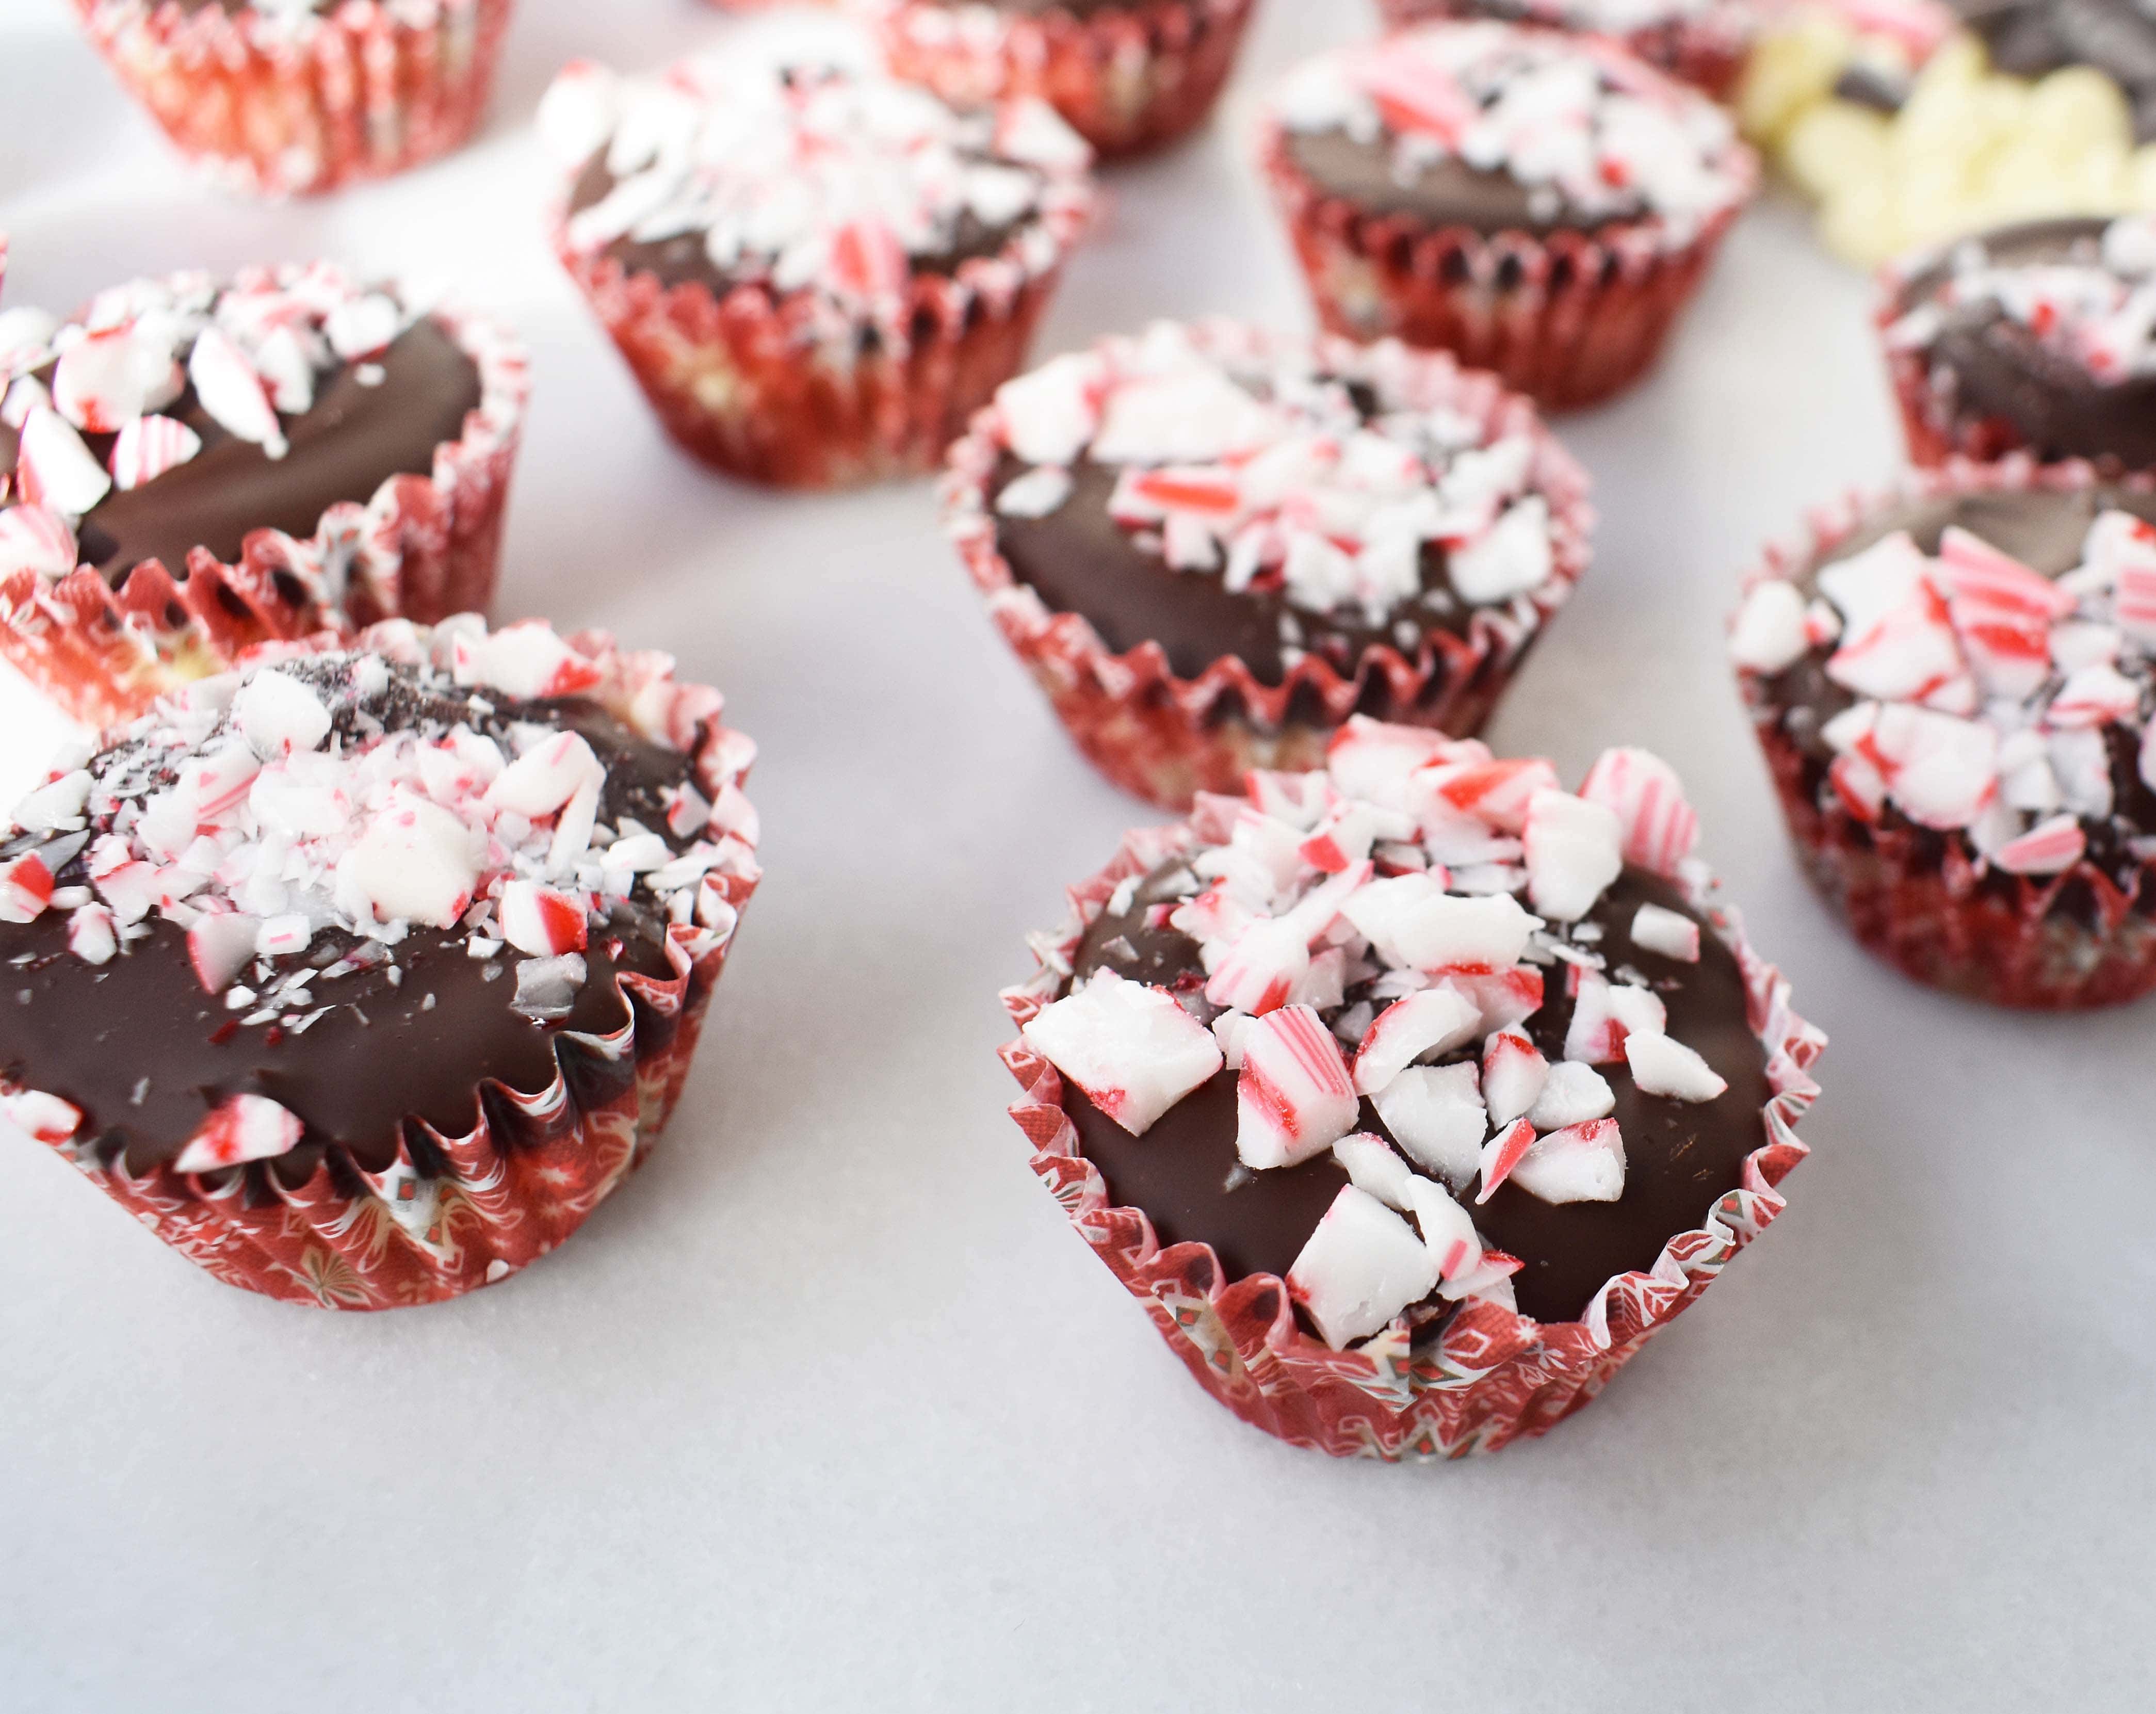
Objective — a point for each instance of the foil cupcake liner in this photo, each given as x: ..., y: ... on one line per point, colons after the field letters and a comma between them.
x: 475, y: 1209
x: 1166, y: 738
x: 423, y: 548
x: 1572, y: 319
x: 297, y: 106
x: 1127, y: 78
x: 1707, y: 49
x: 1493, y: 1376
x: 1922, y: 902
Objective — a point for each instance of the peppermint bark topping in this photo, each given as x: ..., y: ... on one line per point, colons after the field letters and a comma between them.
x: 1592, y: 132
x: 1320, y: 470
x: 1398, y: 972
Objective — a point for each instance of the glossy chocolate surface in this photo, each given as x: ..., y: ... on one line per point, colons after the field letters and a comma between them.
x: 1681, y: 1157
x: 1445, y: 193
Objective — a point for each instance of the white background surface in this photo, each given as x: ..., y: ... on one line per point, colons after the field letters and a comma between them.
x: 828, y: 1408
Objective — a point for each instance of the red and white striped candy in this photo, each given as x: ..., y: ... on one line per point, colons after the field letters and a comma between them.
x: 212, y: 787
x: 1433, y: 1021
x: 546, y: 776
x: 1448, y: 1230
x: 246, y: 1127
x: 1663, y: 1065
x: 1417, y: 98
x: 279, y: 715
x: 1580, y: 1163
x: 1207, y: 491
x: 53, y: 469
x: 1293, y: 1096
x: 2045, y: 849
x: 1132, y: 1050
x: 415, y: 864
x: 1502, y: 1156
x: 1028, y: 130
x: 1942, y: 770
x: 228, y: 387
x: 1769, y: 633
x: 45, y: 1117
x: 1977, y: 571
x: 1594, y: 1037
x: 1656, y: 825
x: 1670, y: 933
x: 1370, y: 760
x: 1496, y: 792
x: 148, y: 447
x: 1263, y: 966
x: 26, y: 888
x: 36, y: 538
x: 1910, y: 653
x: 106, y: 379
x: 539, y: 921
x: 1373, y: 1168
x: 285, y: 367
x: 1412, y: 920
x: 1360, y: 1268
x: 528, y: 659
x: 1435, y: 1114
x: 1513, y: 1073
x: 1315, y: 913
x: 1574, y: 849
x: 220, y: 947
x: 1049, y: 414
x: 2093, y: 696
x: 1861, y: 787
x: 868, y: 264
x: 1571, y: 1095
x: 1503, y: 996
x: 93, y: 934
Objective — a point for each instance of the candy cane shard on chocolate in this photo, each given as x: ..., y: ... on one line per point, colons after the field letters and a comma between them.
x: 1425, y: 1126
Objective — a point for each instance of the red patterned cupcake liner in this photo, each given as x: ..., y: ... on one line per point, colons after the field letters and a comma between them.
x: 1165, y: 738
x: 1493, y: 1376
x: 534, y: 1166
x: 1127, y: 78
x: 1706, y: 49
x: 423, y: 548
x: 1572, y: 319
x: 1920, y: 901
x: 292, y: 108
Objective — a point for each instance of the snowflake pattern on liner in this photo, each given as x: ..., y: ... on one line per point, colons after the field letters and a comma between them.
x: 1987, y: 695
x: 1395, y: 875
x: 1256, y: 462
x: 1589, y: 129
x: 2097, y: 311
x: 809, y: 178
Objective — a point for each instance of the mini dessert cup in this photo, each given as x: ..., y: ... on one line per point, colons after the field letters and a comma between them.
x: 2032, y: 338
x: 1702, y: 42
x: 1178, y: 637
x: 1564, y: 283
x: 849, y: 341
x: 1195, y: 1158
x: 1951, y: 683
x: 439, y: 995
x: 1128, y: 75
x: 297, y: 99
x: 191, y: 467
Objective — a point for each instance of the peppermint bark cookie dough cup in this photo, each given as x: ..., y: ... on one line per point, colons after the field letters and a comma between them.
x: 191, y: 466
x: 1128, y: 75
x: 1413, y: 1095
x: 1952, y: 686
x: 1541, y: 206
x: 361, y: 972
x: 1702, y: 43
x: 2038, y: 338
x: 1211, y: 545
x: 296, y: 97
x: 816, y: 275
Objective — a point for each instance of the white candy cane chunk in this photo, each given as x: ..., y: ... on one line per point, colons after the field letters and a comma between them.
x: 539, y: 921
x: 1502, y: 1156
x: 1594, y: 1037
x: 45, y: 1117
x: 1513, y: 1073
x: 1293, y: 1098
x: 1413, y: 922
x: 1495, y: 793
x: 1038, y: 494
x: 53, y: 469
x: 1263, y: 966
x: 1448, y: 1230
x: 1657, y: 824
x: 1769, y: 634
x: 1435, y: 1113
x: 279, y: 715
x: 2046, y: 849
x: 37, y: 539
x: 246, y: 1127
x: 108, y: 378
x: 359, y: 327
x: 149, y: 446
x: 56, y: 806
x: 1580, y: 1163
x: 2095, y: 695
x: 1507, y: 560
x: 1373, y: 1167
x: 284, y: 937
x: 1574, y: 849
x: 1571, y: 1095
x: 1504, y: 996
x: 546, y: 776
x: 1670, y: 933
x: 220, y: 947
x: 1942, y: 770
x: 93, y: 934
x: 1433, y: 1021
x: 1370, y: 760
x: 1360, y: 1267
x: 1663, y: 1065
x: 526, y: 660
x: 228, y: 387
x: 579, y: 112
x: 26, y: 888
x: 1132, y: 1050
x: 1048, y: 415
x: 415, y: 863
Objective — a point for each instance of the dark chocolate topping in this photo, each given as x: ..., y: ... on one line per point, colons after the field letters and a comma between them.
x: 1445, y: 193
x: 2029, y: 38
x: 1986, y: 364
x: 1681, y: 1157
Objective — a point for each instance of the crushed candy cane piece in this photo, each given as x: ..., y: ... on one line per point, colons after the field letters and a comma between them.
x: 1661, y: 1065
x: 245, y: 1127
x: 1670, y: 933
x: 1293, y: 1096
x: 1580, y: 1164
x: 1132, y: 1050
x: 1359, y: 1269
x: 1435, y: 1114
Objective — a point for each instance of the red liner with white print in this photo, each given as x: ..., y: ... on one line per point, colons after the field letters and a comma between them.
x: 1704, y: 46
x: 1572, y: 318
x: 1128, y: 78
x: 1164, y: 737
x: 1928, y: 901
x: 1492, y: 1375
x: 866, y: 372
x: 422, y: 547
x: 535, y: 1165
x: 281, y: 102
